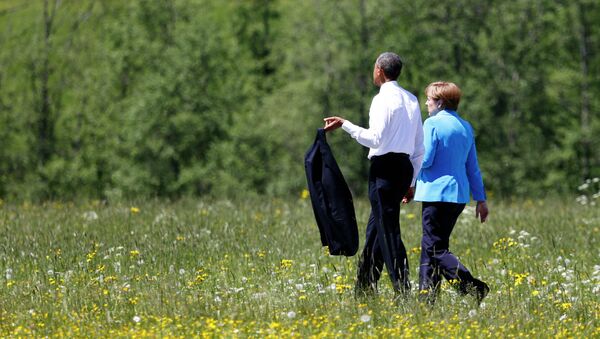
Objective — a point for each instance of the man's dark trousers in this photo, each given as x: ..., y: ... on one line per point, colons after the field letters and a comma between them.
x: 439, y: 219
x: 390, y: 176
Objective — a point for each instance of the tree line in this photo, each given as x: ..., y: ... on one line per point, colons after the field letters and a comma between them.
x: 123, y: 99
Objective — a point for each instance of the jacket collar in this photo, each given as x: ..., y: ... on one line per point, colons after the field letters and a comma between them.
x: 447, y: 112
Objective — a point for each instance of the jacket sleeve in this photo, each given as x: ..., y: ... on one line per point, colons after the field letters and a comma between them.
x: 430, y: 142
x: 474, y: 174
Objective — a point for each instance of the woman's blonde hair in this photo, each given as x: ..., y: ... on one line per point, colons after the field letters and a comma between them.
x: 447, y: 92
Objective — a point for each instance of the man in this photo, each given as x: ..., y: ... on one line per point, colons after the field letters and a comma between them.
x: 395, y: 141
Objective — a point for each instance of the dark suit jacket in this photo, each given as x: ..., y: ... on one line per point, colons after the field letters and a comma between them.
x: 331, y: 199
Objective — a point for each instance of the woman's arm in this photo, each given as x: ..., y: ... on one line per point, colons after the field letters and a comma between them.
x: 430, y: 142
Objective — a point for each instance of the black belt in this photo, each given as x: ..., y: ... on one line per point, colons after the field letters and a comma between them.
x: 391, y: 155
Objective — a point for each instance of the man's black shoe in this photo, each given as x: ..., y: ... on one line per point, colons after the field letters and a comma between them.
x: 481, y: 291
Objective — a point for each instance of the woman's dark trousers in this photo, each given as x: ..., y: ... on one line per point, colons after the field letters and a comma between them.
x: 439, y: 219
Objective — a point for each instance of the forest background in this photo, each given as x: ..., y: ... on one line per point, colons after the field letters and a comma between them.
x: 168, y: 98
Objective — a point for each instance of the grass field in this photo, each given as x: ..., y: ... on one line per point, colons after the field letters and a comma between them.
x: 255, y: 268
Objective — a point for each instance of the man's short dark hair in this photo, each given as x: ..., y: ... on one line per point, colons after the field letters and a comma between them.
x: 391, y: 64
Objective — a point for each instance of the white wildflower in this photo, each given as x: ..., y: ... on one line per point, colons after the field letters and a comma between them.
x: 523, y: 235
x: 137, y: 319
x: 90, y: 215
x: 365, y: 318
x: 259, y: 295
x: 291, y: 314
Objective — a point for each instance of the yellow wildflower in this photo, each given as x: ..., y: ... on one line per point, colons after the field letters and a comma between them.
x: 286, y: 263
x: 504, y: 244
x: 304, y: 194
x: 565, y: 306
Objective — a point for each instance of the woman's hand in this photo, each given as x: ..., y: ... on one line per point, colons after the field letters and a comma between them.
x: 481, y: 211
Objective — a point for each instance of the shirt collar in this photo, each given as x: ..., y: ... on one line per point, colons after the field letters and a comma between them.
x: 389, y: 84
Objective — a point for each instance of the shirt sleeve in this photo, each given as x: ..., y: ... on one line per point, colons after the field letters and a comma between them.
x: 378, y: 118
x: 416, y: 158
x: 474, y: 174
x: 430, y: 142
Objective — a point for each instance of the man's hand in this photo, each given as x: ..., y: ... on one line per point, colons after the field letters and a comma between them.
x: 332, y: 123
x: 481, y: 211
x: 408, y: 197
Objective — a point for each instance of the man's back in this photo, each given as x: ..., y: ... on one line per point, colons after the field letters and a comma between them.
x: 395, y: 119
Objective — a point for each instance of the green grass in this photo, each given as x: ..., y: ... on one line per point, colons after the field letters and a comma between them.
x: 256, y: 268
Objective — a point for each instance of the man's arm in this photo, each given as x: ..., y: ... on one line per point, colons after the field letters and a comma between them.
x: 416, y: 158
x: 409, y: 196
x: 378, y: 117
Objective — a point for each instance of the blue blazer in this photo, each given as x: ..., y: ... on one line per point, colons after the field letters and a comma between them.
x: 331, y: 199
x: 450, y: 171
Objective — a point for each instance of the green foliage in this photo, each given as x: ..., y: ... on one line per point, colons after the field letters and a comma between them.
x: 170, y: 98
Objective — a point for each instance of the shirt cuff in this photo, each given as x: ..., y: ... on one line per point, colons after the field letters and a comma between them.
x: 348, y: 126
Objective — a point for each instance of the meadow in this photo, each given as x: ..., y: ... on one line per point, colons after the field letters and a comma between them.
x: 255, y: 268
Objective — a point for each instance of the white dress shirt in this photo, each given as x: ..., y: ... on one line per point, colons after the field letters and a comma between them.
x: 394, y: 126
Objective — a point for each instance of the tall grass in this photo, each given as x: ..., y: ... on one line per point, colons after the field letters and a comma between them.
x: 256, y: 268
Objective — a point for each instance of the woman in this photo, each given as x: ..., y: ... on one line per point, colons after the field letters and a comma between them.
x: 449, y: 174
